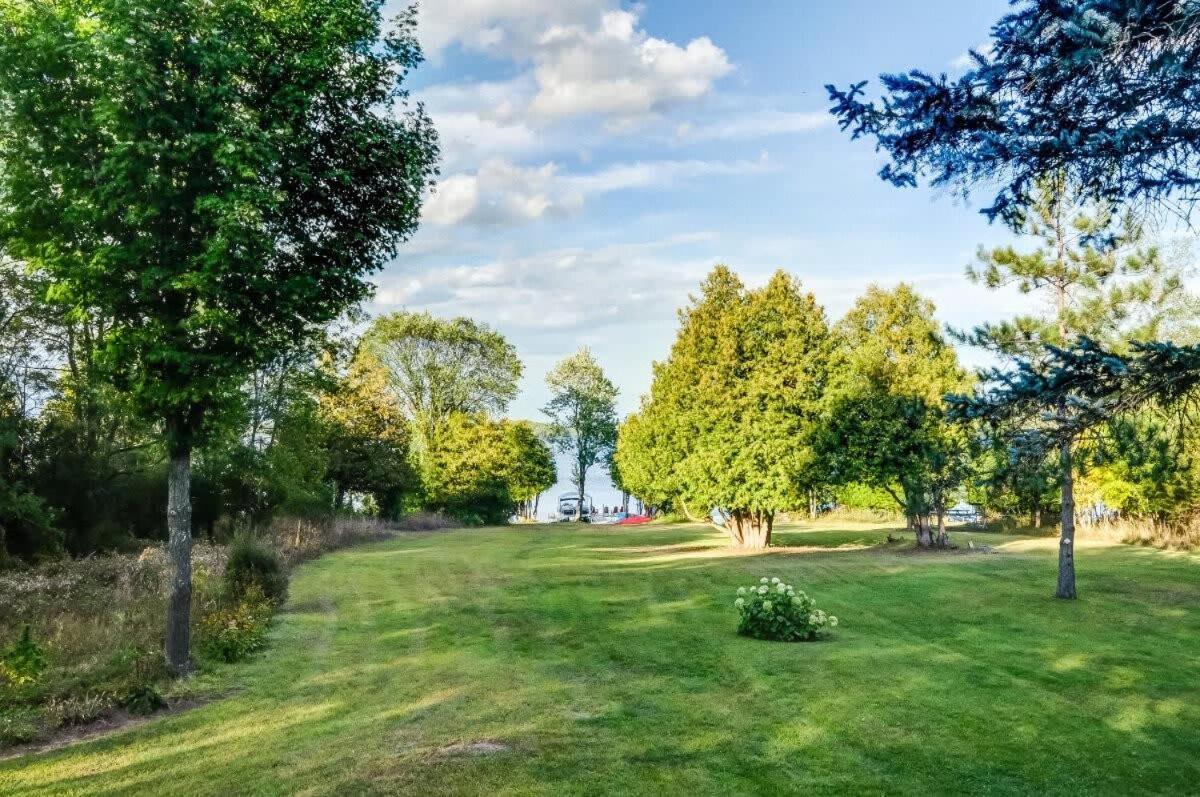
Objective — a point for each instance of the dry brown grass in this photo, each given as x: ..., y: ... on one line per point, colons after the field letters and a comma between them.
x: 99, y: 621
x: 1176, y: 535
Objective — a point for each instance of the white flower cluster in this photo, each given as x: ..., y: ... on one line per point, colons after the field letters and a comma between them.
x: 774, y: 609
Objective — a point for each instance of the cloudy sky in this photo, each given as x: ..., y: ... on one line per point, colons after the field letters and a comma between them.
x: 600, y: 157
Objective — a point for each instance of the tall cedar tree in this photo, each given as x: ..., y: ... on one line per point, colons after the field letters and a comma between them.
x: 216, y: 178
x: 735, y: 405
x: 583, y: 416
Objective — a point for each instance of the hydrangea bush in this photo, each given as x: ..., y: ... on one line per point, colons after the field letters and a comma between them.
x: 772, y: 609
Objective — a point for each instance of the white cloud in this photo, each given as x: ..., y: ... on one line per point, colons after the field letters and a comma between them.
x: 501, y: 192
x: 561, y: 289
x: 587, y: 57
x: 620, y: 71
x: 964, y: 61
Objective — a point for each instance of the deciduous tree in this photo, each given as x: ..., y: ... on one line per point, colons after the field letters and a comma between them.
x: 216, y: 179
x: 583, y: 415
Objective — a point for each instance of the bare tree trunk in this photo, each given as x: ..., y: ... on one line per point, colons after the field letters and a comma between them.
x: 924, y: 535
x: 812, y: 504
x: 1066, y: 545
x: 943, y: 541
x: 735, y: 525
x: 536, y: 500
x: 179, y: 548
x: 1037, y: 517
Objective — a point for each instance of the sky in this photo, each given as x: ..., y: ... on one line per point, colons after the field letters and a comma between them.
x: 600, y: 157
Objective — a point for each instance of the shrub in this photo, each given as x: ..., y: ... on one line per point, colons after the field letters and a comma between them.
x: 24, y: 661
x: 251, y: 563
x: 426, y: 521
x: 143, y: 699
x: 772, y: 609
x: 18, y: 725
x: 234, y: 632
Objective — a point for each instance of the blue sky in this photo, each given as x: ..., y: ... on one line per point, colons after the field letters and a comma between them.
x: 600, y: 157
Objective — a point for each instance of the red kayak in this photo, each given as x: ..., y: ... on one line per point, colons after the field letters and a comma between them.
x: 634, y: 520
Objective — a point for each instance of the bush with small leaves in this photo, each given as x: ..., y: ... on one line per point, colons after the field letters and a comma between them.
x: 23, y: 662
x: 253, y: 563
x: 143, y: 699
x: 234, y: 632
x: 773, y: 609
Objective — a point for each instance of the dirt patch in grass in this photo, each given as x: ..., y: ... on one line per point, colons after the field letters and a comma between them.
x: 113, y: 720
x: 481, y: 747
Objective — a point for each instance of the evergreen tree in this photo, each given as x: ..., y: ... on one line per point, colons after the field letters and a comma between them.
x: 735, y: 406
x: 1100, y: 91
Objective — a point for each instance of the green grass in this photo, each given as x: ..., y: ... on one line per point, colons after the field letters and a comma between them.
x: 605, y: 660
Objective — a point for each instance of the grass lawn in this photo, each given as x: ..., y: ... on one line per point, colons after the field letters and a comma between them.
x: 598, y: 660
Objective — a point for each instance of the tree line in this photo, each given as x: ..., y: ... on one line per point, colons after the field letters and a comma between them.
x: 764, y: 406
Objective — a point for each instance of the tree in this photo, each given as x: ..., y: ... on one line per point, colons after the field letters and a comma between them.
x: 215, y: 179
x: 656, y: 441
x: 481, y: 470
x: 1100, y: 91
x: 1093, y: 271
x: 530, y: 467
x: 735, y: 404
x: 883, y: 423
x: 367, y: 437
x: 1115, y: 291
x: 583, y: 415
x: 1075, y: 390
x: 437, y: 368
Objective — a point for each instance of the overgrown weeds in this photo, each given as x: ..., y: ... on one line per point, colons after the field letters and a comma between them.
x: 82, y: 638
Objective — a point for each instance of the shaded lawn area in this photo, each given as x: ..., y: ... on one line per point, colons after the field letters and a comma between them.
x: 600, y: 660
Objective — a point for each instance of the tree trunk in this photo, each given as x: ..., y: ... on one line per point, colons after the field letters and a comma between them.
x: 1066, y: 544
x: 179, y: 548
x: 536, y: 500
x: 943, y: 541
x: 750, y: 530
x: 924, y: 535
x: 1037, y: 517
x: 812, y: 504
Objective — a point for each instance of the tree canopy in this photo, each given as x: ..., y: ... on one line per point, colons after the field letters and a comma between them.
x: 734, y: 406
x: 438, y: 367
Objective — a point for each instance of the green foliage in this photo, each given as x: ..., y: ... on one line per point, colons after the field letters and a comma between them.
x: 1092, y: 270
x: 583, y: 414
x: 367, y: 438
x: 254, y: 569
x: 232, y: 632
x: 438, y: 368
x: 773, y: 609
x: 23, y: 662
x: 883, y: 424
x: 731, y: 414
x: 479, y: 470
x: 143, y: 698
x: 206, y: 114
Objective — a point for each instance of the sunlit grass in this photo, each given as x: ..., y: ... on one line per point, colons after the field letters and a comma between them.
x: 599, y: 660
